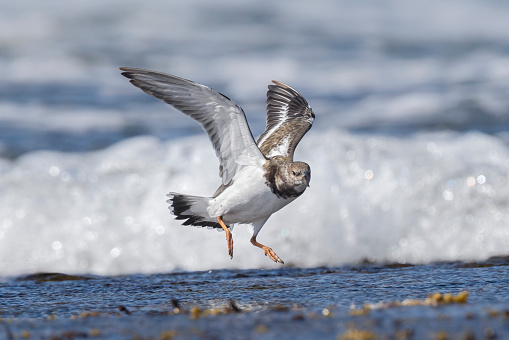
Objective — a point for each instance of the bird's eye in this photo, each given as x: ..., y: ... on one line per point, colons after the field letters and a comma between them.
x: 294, y: 173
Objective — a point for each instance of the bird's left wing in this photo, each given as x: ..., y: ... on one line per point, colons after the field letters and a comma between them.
x: 223, y: 120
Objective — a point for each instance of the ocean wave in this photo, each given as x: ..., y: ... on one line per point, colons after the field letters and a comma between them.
x: 415, y: 199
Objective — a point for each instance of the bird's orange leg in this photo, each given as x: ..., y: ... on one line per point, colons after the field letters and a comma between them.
x: 229, y: 237
x: 268, y: 251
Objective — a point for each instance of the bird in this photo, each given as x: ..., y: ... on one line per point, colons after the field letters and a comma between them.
x: 257, y: 178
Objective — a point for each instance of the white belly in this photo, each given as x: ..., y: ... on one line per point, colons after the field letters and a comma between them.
x: 247, y: 200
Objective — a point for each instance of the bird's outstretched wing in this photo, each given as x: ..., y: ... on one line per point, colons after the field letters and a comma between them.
x: 289, y: 117
x: 223, y: 120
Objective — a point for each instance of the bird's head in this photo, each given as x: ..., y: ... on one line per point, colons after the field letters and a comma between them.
x: 300, y: 174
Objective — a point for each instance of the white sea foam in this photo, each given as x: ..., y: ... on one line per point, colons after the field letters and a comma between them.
x: 438, y: 196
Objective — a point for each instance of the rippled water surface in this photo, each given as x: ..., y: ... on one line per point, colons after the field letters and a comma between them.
x: 281, y: 303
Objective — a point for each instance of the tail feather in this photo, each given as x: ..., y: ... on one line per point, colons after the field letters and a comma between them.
x: 192, y: 209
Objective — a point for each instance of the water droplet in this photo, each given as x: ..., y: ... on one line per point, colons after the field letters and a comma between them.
x: 54, y: 171
x: 115, y: 252
x: 369, y: 174
x: 56, y: 245
x: 481, y: 179
x: 448, y: 195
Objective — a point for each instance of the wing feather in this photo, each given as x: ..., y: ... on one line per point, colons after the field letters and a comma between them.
x: 289, y: 117
x: 223, y: 120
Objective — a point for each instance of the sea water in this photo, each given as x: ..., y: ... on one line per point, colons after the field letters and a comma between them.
x: 347, y: 302
x: 409, y: 151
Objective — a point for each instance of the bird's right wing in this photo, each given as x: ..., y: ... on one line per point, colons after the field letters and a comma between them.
x: 223, y: 120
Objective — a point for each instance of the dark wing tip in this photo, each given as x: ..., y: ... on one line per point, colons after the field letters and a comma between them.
x: 129, y: 72
x: 282, y: 97
x: 289, y: 92
x: 148, y: 76
x: 278, y: 83
x: 133, y: 69
x: 133, y: 73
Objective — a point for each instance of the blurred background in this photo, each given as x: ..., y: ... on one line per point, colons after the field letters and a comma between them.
x: 409, y: 151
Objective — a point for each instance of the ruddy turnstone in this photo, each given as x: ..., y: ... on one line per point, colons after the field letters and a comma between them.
x: 258, y: 178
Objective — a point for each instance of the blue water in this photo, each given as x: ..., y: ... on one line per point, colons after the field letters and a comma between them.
x: 282, y: 303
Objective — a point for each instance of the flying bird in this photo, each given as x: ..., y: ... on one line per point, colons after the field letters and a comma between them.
x: 258, y: 178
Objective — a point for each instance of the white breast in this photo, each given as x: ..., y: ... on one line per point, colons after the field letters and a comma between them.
x: 247, y: 200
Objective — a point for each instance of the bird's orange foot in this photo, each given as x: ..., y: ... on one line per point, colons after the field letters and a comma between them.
x: 272, y: 255
x: 268, y: 251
